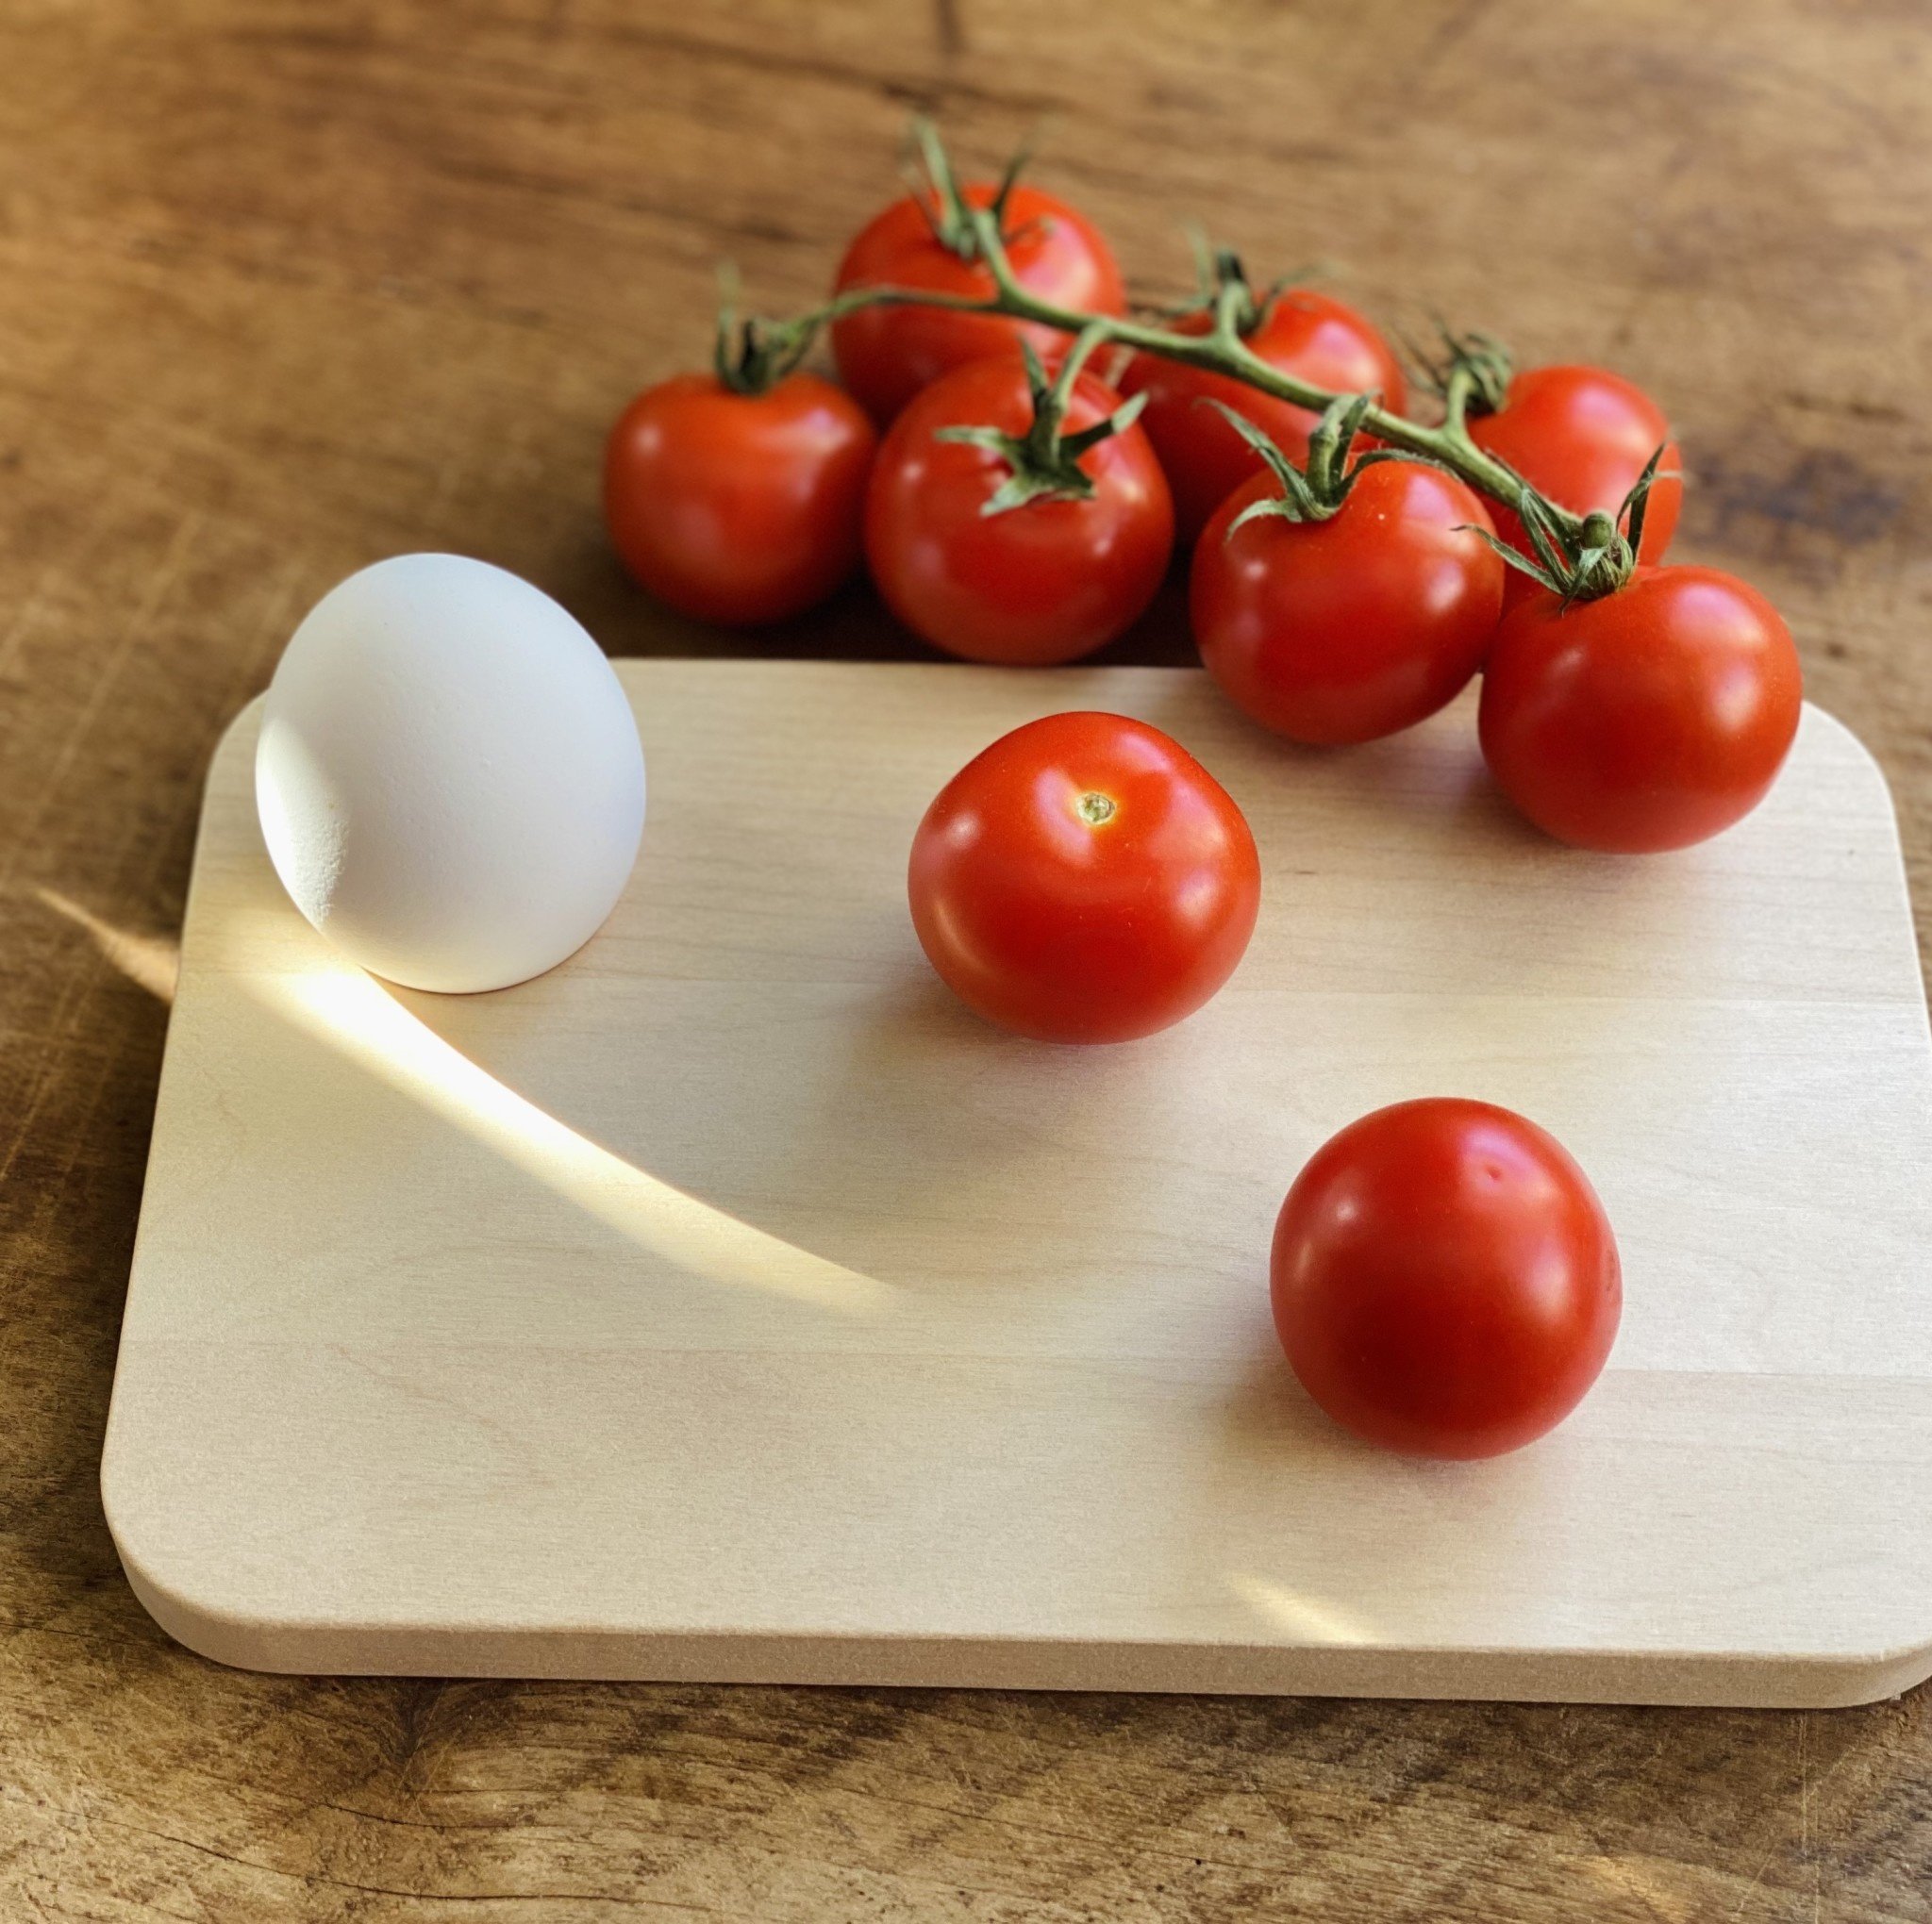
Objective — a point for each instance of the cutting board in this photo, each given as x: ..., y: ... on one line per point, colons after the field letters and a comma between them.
x: 730, y: 1303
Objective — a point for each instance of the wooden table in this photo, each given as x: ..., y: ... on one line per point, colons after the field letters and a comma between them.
x: 290, y: 286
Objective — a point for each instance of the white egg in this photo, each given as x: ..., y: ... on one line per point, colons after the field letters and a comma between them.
x: 449, y: 777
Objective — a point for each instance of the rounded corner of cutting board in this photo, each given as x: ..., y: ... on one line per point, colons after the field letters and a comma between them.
x: 237, y: 736
x: 177, y: 1601
x: 1876, y: 1678
x: 1849, y: 740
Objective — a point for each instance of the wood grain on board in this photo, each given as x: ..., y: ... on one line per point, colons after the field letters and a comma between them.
x: 290, y: 286
x: 730, y: 1304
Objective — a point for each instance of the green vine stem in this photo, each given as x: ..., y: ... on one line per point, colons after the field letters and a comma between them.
x: 1221, y: 350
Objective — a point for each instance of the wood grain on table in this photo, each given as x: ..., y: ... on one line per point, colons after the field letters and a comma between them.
x: 289, y: 286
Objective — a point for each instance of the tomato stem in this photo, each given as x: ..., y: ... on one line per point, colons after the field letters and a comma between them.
x: 1601, y: 557
x: 752, y: 354
x: 1222, y: 350
x: 937, y: 193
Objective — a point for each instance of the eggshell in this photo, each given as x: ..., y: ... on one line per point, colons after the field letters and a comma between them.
x: 449, y: 777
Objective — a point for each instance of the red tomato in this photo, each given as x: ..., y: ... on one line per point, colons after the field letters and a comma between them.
x: 1341, y: 630
x: 1649, y: 719
x: 1084, y: 879
x: 887, y: 354
x: 1043, y: 582
x: 739, y: 507
x: 1581, y: 437
x: 1302, y: 333
x: 1446, y: 1281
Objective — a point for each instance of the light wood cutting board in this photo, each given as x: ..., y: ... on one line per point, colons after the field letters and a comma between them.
x: 731, y: 1305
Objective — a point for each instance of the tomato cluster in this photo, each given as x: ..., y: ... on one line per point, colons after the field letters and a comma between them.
x: 1444, y: 1279
x: 1648, y: 717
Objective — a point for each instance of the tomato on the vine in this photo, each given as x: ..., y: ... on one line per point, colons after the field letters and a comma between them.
x: 1649, y: 719
x: 1084, y: 879
x: 1043, y: 581
x: 1312, y: 336
x: 1581, y: 437
x: 886, y: 355
x: 1444, y: 1279
x: 1346, y: 629
x: 739, y: 507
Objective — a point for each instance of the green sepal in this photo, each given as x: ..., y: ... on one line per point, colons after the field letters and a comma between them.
x: 1637, y: 503
x: 1009, y: 180
x: 1533, y: 511
x: 1316, y: 491
x: 1596, y: 560
x: 1045, y: 463
x: 1474, y: 367
x: 939, y: 196
x: 1277, y: 506
x: 1218, y: 271
x: 1123, y: 417
x: 1030, y: 480
x: 1296, y: 501
x: 1596, y: 542
x: 753, y: 354
x: 1523, y: 565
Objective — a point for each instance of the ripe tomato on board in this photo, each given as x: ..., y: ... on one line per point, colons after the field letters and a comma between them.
x: 1649, y: 719
x: 887, y: 354
x: 1444, y: 1280
x: 1084, y: 879
x: 1045, y: 581
x: 1346, y: 629
x: 739, y: 507
x: 1581, y: 437
x: 1301, y: 332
